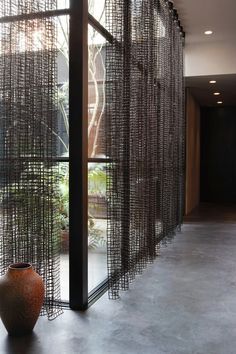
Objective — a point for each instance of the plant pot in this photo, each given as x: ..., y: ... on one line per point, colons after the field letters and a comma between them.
x: 21, y: 298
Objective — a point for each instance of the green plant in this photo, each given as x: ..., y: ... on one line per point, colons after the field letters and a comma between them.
x: 95, y: 236
x: 97, y: 179
x: 29, y: 199
x: 63, y: 184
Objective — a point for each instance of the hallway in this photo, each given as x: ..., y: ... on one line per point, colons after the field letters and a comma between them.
x: 185, y: 303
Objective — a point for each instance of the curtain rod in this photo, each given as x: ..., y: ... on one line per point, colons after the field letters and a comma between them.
x: 176, y: 16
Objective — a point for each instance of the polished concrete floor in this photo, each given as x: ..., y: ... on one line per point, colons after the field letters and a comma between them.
x: 184, y: 303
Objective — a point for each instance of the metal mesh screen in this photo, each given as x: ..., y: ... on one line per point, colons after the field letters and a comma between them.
x: 28, y: 121
x: 144, y: 134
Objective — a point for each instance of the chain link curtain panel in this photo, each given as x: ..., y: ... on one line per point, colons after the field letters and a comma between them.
x: 28, y: 121
x: 145, y: 130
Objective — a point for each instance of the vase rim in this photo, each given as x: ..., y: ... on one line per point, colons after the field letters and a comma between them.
x: 20, y: 266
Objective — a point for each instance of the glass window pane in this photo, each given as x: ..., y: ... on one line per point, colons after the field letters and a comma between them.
x: 63, y: 86
x: 35, y: 42
x: 62, y: 135
x: 97, y: 224
x: 96, y: 93
x: 97, y: 9
x: 63, y: 183
x: 63, y: 4
x: 26, y: 7
x: 29, y: 6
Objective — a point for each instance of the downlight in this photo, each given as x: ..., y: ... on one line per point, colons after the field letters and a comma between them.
x: 208, y: 32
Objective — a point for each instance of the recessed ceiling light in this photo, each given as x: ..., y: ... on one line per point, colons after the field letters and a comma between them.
x: 216, y: 93
x: 212, y: 82
x: 219, y: 102
x: 208, y: 32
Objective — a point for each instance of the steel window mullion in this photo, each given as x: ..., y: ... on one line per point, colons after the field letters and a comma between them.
x: 100, y: 29
x: 34, y: 16
x: 78, y: 142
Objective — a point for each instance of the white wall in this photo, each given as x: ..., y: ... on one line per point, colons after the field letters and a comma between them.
x: 217, y: 58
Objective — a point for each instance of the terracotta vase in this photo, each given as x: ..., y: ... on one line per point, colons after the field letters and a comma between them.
x: 21, y: 298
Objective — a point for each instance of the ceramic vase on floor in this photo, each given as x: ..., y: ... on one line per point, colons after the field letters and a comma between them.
x: 21, y: 298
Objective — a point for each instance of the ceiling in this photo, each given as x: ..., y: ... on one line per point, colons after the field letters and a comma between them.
x: 203, y: 91
x: 197, y: 16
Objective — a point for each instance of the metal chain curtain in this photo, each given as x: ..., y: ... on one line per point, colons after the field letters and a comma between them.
x: 28, y: 121
x: 144, y: 134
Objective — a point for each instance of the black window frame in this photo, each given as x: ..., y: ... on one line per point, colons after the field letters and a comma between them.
x: 80, y: 299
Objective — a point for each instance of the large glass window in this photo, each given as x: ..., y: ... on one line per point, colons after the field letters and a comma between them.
x: 96, y: 159
x: 96, y: 222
